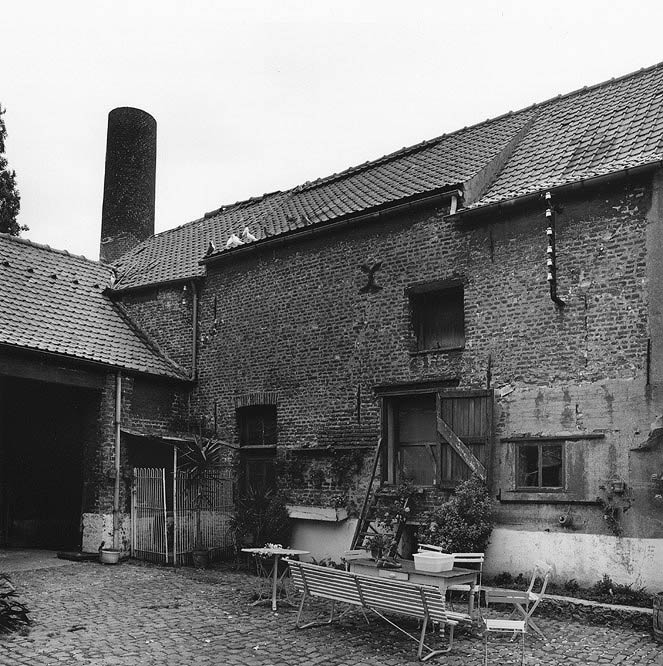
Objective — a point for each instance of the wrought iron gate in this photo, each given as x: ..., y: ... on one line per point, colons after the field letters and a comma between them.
x: 149, y: 516
x: 167, y: 509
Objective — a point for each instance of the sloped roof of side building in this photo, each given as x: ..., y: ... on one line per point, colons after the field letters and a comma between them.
x: 590, y: 132
x: 57, y: 303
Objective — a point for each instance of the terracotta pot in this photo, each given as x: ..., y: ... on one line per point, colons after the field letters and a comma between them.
x: 109, y: 556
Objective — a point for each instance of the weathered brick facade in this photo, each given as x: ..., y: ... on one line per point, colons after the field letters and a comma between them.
x: 294, y: 320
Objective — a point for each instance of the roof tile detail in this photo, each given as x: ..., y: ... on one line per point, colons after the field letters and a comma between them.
x: 55, y: 302
x: 591, y: 132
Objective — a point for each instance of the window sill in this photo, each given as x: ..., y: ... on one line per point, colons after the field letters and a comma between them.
x: 445, y: 350
x: 320, y: 513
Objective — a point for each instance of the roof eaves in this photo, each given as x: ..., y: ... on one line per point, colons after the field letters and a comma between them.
x: 482, y: 209
x: 351, y: 218
x: 91, y: 362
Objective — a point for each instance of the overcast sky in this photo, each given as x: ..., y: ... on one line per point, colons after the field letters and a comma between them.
x: 256, y: 96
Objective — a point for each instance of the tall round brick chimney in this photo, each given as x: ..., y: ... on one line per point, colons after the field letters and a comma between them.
x: 127, y: 216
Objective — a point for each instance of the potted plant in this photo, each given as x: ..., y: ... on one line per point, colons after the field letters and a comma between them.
x: 109, y: 555
x: 200, y: 460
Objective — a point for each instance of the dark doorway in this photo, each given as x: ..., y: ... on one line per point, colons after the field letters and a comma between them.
x: 44, y: 429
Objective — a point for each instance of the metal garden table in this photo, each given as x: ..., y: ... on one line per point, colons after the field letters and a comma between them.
x: 275, y: 553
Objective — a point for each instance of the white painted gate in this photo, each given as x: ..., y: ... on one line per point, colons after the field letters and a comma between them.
x: 165, y: 510
x: 149, y: 516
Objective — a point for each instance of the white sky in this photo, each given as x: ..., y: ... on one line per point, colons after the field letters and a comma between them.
x: 261, y: 95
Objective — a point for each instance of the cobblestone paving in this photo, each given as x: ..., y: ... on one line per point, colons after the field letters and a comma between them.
x: 90, y: 614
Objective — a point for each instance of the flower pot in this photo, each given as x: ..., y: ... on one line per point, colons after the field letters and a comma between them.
x: 201, y: 558
x: 109, y: 556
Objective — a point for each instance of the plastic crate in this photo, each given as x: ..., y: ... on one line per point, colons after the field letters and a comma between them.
x: 433, y: 562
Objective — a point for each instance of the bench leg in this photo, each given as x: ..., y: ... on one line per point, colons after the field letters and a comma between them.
x: 314, y: 623
x: 434, y: 653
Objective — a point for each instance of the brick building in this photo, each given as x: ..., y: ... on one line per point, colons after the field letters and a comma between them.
x: 503, y: 280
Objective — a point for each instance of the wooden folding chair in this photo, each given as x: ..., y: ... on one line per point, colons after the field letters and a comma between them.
x: 514, y: 627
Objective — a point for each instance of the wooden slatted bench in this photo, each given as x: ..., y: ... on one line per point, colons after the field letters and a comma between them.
x: 379, y: 595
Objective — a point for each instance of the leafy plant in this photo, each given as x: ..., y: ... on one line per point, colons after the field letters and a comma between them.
x: 317, y: 478
x: 13, y: 614
x: 261, y: 516
x: 203, y: 457
x: 345, y: 463
x: 463, y: 523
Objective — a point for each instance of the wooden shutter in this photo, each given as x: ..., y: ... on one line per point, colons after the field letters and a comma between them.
x: 465, y: 428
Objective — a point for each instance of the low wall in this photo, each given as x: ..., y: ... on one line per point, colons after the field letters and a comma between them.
x: 585, y: 557
x: 323, y: 538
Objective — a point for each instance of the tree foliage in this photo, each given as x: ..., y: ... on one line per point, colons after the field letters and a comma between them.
x: 10, y: 199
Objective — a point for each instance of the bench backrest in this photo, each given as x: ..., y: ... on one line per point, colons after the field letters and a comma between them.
x: 383, y: 594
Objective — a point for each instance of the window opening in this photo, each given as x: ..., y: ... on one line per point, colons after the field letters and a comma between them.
x: 540, y: 465
x: 414, y: 445
x: 257, y: 430
x: 438, y: 318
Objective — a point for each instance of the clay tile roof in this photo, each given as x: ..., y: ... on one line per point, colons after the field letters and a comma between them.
x: 55, y: 302
x: 590, y: 132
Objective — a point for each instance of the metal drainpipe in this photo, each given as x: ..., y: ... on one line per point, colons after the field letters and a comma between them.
x: 194, y: 339
x: 116, y: 498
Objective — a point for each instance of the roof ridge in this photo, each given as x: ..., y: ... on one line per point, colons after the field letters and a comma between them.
x: 206, y: 216
x: 48, y: 248
x: 596, y: 86
x: 428, y: 142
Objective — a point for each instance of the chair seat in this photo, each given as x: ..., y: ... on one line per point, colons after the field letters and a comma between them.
x: 505, y: 625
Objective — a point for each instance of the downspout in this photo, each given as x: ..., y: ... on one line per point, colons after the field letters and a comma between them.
x: 194, y: 332
x: 116, y: 497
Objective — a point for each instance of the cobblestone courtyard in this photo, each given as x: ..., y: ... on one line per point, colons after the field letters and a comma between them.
x: 87, y: 613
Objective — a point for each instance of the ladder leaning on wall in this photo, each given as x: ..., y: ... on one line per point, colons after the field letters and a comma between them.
x: 366, y: 525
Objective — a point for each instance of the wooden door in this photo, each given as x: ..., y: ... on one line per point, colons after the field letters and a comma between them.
x: 465, y: 431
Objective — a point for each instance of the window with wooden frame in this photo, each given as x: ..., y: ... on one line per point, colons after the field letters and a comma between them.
x: 257, y: 429
x: 438, y: 317
x: 540, y: 465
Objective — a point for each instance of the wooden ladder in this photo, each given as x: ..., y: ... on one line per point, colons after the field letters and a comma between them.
x: 364, y: 528
x: 371, y: 507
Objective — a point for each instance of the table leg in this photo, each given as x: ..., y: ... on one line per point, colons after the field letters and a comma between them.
x: 275, y: 579
x: 470, y: 601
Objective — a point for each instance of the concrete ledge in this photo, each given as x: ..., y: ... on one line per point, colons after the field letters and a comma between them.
x: 327, y: 514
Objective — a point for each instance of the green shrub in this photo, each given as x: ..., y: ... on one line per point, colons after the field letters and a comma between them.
x: 261, y: 517
x: 463, y: 523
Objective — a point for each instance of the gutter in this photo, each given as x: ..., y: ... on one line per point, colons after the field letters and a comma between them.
x: 274, y: 241
x: 594, y: 181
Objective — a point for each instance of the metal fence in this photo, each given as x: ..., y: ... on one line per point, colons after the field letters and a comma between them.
x: 173, y: 514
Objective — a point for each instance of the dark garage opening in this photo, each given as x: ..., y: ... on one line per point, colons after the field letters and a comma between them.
x: 44, y: 429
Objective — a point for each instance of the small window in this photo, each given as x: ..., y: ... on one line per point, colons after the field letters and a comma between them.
x: 257, y: 425
x: 438, y: 318
x: 540, y: 465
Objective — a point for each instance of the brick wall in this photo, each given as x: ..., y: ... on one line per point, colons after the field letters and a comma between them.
x: 294, y: 320
x: 166, y: 315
